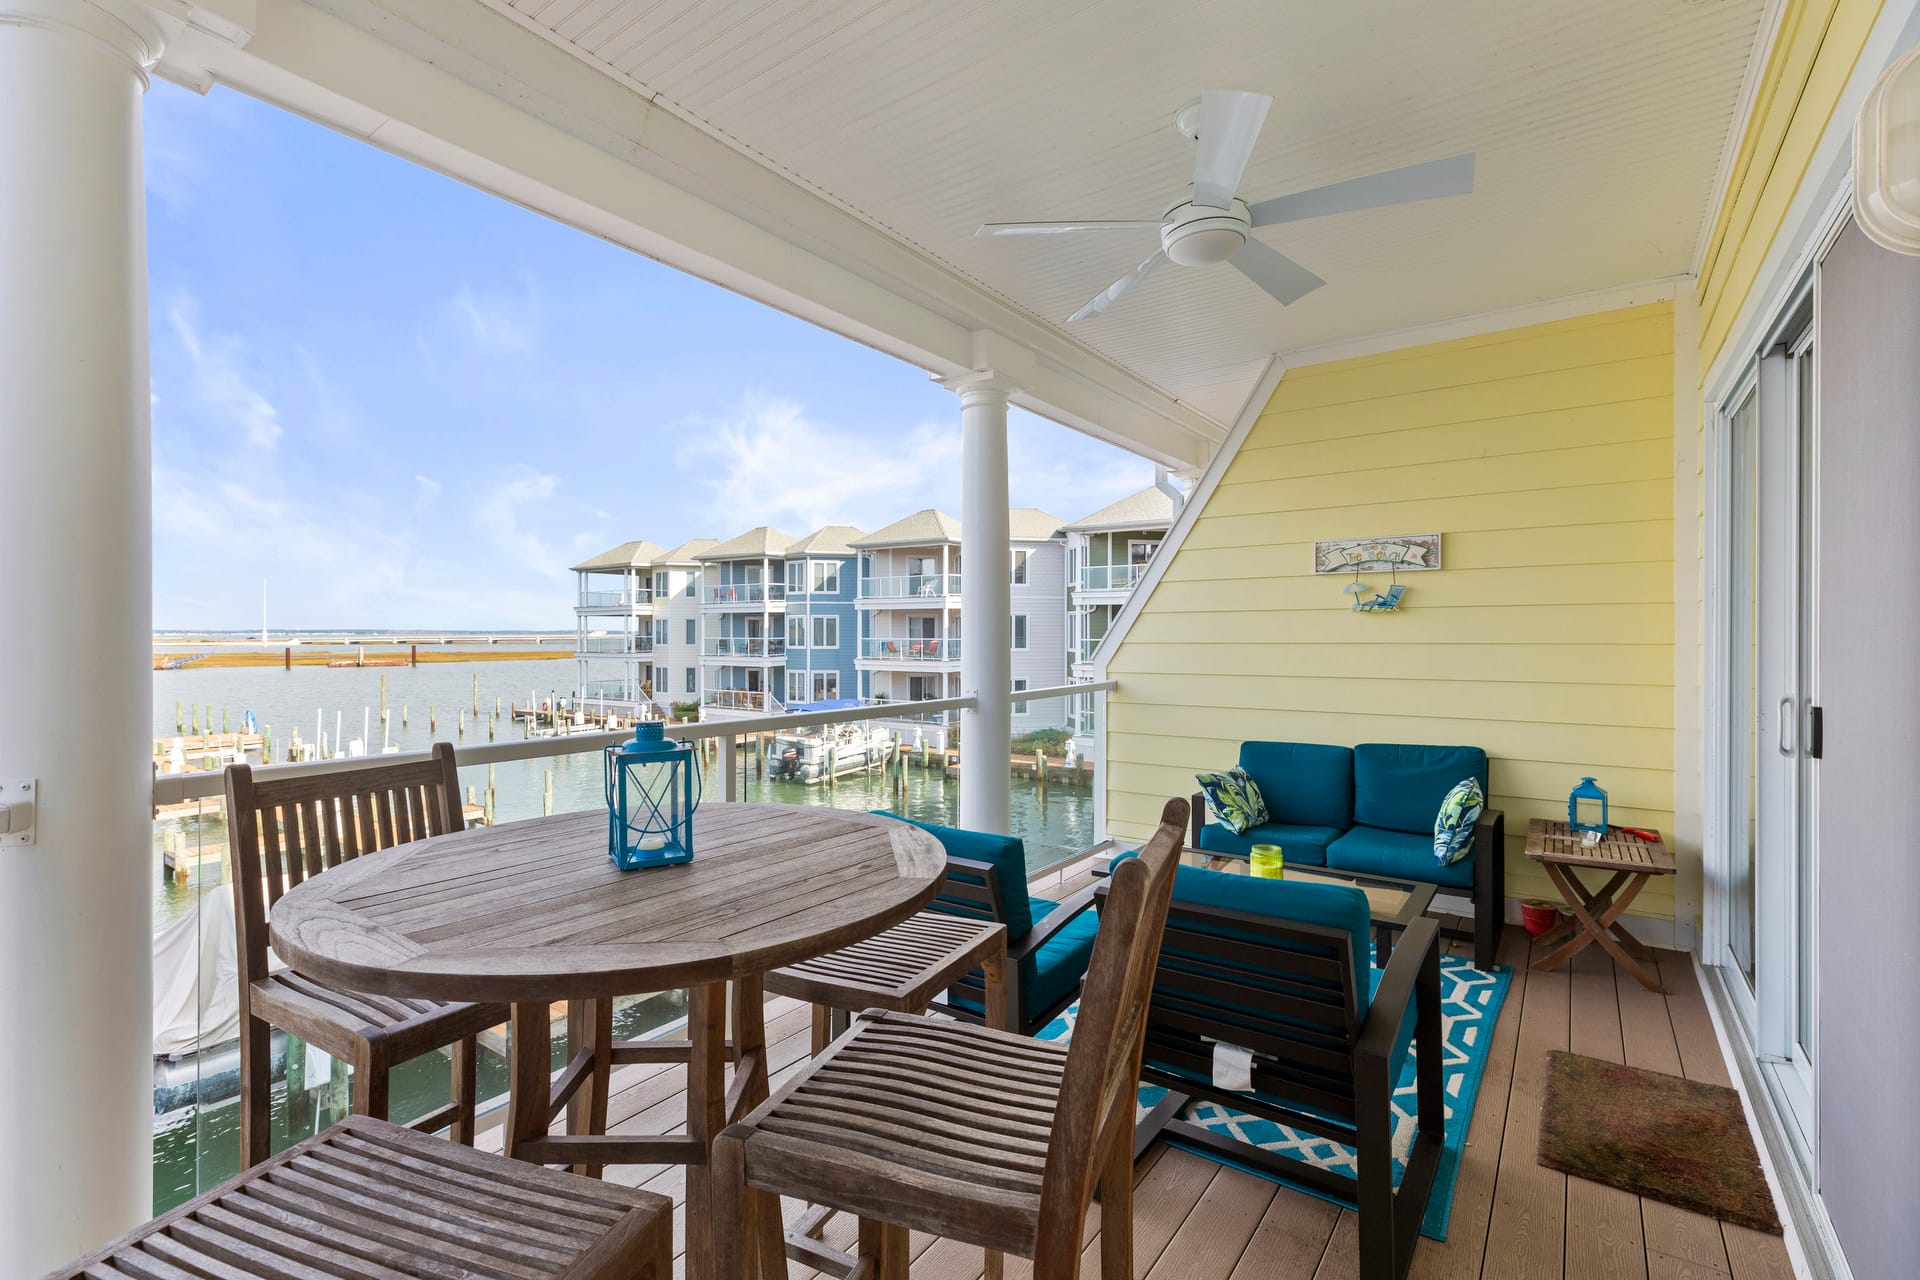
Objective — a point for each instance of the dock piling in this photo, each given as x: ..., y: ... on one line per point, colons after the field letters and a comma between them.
x: 546, y: 797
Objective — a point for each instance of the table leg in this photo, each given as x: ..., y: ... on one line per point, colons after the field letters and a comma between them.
x: 529, y: 1074
x: 1601, y: 926
x: 590, y: 1031
x: 752, y: 1075
x: 993, y: 973
x: 1569, y: 926
x: 706, y: 1116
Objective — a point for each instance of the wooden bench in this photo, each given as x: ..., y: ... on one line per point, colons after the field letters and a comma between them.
x: 370, y: 1199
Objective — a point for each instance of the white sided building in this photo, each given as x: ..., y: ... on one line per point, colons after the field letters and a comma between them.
x: 1107, y: 554
x: 676, y: 623
x: 613, y: 623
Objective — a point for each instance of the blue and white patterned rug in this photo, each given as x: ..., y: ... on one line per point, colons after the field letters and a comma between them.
x: 1470, y: 1001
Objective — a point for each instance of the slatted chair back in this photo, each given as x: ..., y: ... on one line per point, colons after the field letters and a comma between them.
x: 1288, y: 990
x: 282, y: 831
x: 1102, y: 1074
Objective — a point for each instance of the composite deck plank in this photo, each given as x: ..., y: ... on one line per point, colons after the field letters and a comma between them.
x: 1211, y: 1241
x: 1755, y: 1255
x: 1290, y: 1240
x: 1459, y: 1256
x: 1161, y: 1202
x: 1527, y: 1236
x: 1604, y: 1236
x: 1341, y: 1258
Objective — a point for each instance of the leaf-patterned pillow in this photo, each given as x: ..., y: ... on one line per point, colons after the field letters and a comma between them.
x: 1233, y: 800
x: 1453, y: 828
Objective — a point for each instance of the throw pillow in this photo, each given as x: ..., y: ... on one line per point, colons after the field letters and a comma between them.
x: 1233, y: 800
x: 1453, y: 828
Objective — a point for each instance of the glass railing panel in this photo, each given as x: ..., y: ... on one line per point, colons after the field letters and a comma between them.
x: 1053, y: 782
x: 910, y: 586
x: 623, y: 645
x: 910, y: 649
x: 744, y: 648
x: 1110, y: 577
x: 614, y: 599
x: 728, y: 593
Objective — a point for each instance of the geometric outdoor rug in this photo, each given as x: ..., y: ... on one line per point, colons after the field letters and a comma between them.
x: 1656, y: 1135
x: 1470, y: 1001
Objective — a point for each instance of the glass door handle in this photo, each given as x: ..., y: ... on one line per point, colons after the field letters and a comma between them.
x: 1786, y: 726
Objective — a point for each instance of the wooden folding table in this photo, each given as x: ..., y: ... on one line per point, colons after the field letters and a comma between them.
x: 1595, y: 914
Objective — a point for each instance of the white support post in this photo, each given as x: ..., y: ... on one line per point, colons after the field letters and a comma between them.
x: 986, y: 664
x: 76, y: 1119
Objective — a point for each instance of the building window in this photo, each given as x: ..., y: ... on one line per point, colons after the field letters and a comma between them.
x: 796, y: 686
x: 1020, y: 555
x: 1139, y: 552
x: 796, y: 576
x: 797, y: 632
x: 826, y: 686
x: 692, y: 636
x: 660, y: 584
x: 660, y: 632
x: 826, y: 576
x: 692, y: 674
x: 1019, y: 708
x: 826, y: 633
x: 692, y: 585
x: 1019, y: 630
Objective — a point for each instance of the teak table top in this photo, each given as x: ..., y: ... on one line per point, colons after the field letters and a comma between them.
x: 1617, y: 851
x: 535, y: 910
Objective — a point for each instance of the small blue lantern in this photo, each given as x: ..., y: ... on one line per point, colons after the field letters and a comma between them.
x: 1587, y: 808
x: 653, y: 787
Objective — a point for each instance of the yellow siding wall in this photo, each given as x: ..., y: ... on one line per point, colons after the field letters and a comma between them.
x: 1819, y: 41
x: 1544, y: 456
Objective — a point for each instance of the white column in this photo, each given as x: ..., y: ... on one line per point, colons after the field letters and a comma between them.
x: 986, y: 666
x: 76, y: 1101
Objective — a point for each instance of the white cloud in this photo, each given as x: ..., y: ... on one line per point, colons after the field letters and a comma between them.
x: 769, y: 463
x: 508, y: 510
x: 496, y: 322
x: 219, y: 379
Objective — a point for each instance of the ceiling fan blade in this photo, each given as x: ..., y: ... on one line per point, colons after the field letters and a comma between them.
x: 1275, y: 272
x: 1229, y: 125
x: 1450, y: 177
x: 1062, y: 228
x: 1107, y: 297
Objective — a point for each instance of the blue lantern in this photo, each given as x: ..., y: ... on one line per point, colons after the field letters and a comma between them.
x: 1587, y: 808
x: 653, y: 787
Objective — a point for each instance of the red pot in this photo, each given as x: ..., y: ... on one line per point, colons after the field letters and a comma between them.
x: 1538, y: 917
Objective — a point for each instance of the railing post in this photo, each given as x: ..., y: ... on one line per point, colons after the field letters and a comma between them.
x: 729, y: 762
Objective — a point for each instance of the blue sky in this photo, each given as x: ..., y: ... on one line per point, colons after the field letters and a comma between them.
x: 403, y: 402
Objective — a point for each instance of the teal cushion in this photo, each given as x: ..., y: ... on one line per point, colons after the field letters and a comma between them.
x: 1051, y: 973
x: 1007, y: 854
x: 1399, y: 788
x: 1306, y: 784
x: 1397, y: 853
x: 1233, y: 799
x: 1306, y: 846
x: 1453, y: 828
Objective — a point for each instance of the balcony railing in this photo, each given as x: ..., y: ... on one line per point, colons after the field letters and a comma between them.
x: 742, y: 700
x: 913, y: 586
x: 1110, y: 577
x: 743, y: 648
x: 908, y: 649
x: 729, y: 595
x: 615, y: 599
x: 614, y: 644
x: 1084, y: 650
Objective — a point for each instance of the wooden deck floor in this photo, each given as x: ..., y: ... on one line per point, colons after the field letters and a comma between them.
x: 1512, y: 1218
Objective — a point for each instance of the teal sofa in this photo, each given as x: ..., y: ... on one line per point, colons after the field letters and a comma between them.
x: 1369, y: 810
x: 1049, y: 944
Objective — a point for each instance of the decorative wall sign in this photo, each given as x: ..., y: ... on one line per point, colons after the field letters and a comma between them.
x: 1363, y: 555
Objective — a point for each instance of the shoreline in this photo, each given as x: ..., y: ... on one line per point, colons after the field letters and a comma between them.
x: 385, y: 656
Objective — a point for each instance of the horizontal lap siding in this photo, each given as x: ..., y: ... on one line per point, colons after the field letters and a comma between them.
x: 1544, y: 456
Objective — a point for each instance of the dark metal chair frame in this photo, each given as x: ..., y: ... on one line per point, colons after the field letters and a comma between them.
x: 987, y: 901
x: 1311, y: 1047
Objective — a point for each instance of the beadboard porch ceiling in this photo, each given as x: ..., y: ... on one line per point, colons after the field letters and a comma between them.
x: 1600, y: 130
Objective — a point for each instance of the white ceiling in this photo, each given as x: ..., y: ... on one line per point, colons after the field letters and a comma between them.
x: 1599, y: 130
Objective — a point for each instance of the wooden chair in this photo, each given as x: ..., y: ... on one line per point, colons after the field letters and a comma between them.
x: 971, y: 1133
x: 367, y: 1198
x: 1280, y: 969
x: 285, y: 830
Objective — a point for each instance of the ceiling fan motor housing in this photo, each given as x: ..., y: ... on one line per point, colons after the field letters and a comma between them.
x: 1199, y: 236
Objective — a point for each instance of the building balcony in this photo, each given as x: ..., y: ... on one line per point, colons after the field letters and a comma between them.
x: 615, y: 602
x: 1109, y: 579
x: 742, y: 700
x: 750, y: 597
x: 625, y: 646
x: 888, y: 650
x: 912, y: 588
x: 751, y: 650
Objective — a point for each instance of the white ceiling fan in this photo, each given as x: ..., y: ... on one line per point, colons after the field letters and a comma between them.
x: 1210, y: 223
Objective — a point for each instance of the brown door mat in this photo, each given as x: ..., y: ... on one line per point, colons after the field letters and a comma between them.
x: 1658, y: 1136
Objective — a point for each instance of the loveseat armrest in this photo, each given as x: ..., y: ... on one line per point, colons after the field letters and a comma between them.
x: 1489, y: 885
x: 1199, y: 816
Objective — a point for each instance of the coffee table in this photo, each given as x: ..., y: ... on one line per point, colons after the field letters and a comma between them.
x: 1392, y: 904
x: 1595, y: 914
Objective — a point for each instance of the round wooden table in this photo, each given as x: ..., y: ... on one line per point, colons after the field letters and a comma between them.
x: 533, y: 912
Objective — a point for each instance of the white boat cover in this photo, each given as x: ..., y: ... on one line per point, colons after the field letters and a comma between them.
x: 196, y: 996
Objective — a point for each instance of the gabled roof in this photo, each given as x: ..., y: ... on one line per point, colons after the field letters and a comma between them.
x: 1148, y: 509
x: 628, y: 555
x: 923, y: 526
x: 754, y: 544
x: 1031, y: 524
x: 686, y: 553
x: 828, y: 540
